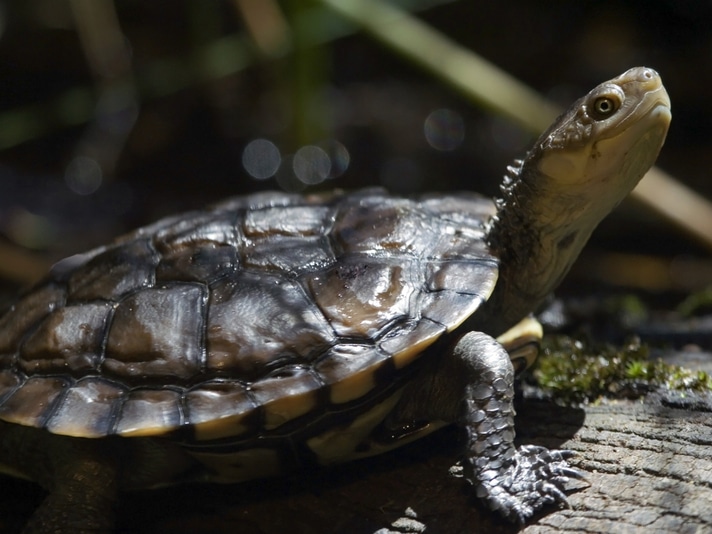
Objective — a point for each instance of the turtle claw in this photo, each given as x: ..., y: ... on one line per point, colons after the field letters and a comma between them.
x: 532, y: 478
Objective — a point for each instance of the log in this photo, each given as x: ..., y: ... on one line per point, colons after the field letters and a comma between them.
x: 648, y: 465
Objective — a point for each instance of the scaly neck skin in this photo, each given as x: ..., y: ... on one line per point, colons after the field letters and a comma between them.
x: 575, y: 174
x: 536, y: 247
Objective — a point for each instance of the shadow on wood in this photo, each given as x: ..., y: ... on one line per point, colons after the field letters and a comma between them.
x: 648, y: 466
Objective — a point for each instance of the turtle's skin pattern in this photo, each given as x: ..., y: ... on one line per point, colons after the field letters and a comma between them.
x: 275, y: 331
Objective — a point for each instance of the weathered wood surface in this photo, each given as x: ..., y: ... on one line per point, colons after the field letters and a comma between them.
x: 649, y: 468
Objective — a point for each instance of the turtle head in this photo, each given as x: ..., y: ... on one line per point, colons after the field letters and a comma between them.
x: 578, y: 170
x: 603, y: 144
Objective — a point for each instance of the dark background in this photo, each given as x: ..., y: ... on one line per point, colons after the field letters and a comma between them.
x: 185, y: 146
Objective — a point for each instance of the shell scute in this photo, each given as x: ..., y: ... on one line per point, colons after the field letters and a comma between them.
x: 156, y: 332
x: 116, y: 272
x: 405, y: 344
x: 221, y: 409
x: 447, y: 308
x: 301, y: 221
x: 350, y: 370
x: 33, y: 400
x: 87, y: 409
x: 68, y: 339
x: 288, y: 254
x: 24, y: 315
x: 247, y: 320
x: 360, y: 296
x: 458, y: 276
x: 258, y: 201
x: 374, y: 226
x: 203, y: 262
x: 199, y: 250
x: 219, y: 228
x: 287, y: 394
x: 257, y: 322
x: 149, y: 412
x: 9, y: 382
x: 464, y: 208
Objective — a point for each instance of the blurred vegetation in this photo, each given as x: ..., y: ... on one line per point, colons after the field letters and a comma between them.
x: 115, y: 113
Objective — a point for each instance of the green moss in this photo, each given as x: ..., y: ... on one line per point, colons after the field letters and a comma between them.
x: 575, y: 371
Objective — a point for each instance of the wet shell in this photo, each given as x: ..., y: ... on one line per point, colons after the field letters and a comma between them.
x: 267, y: 315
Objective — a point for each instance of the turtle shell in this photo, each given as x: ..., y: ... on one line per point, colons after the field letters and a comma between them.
x: 255, y: 318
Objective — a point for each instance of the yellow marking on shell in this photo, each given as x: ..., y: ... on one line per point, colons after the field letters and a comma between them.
x: 406, y: 357
x: 349, y: 369
x: 282, y: 410
x: 29, y: 404
x: 353, y: 387
x: 145, y: 431
x: 230, y: 468
x: 286, y: 395
x: 414, y: 343
x: 221, y: 427
x: 85, y: 411
x: 522, y: 342
x: 339, y: 444
x: 149, y: 413
x: 219, y: 410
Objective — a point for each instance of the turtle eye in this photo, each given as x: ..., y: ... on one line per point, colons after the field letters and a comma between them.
x: 603, y: 107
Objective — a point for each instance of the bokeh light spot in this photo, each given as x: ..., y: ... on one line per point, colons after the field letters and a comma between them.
x: 83, y: 175
x: 339, y: 155
x: 444, y: 129
x: 311, y: 164
x: 261, y: 159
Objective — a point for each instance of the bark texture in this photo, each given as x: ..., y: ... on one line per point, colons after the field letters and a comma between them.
x: 648, y: 465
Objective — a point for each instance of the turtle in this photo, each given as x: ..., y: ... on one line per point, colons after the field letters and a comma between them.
x: 279, y: 331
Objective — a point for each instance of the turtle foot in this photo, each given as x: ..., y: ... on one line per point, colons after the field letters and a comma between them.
x: 530, y: 479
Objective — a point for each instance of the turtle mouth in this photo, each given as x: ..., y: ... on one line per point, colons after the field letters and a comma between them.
x: 653, y: 106
x: 660, y: 105
x: 652, y: 114
x: 661, y: 111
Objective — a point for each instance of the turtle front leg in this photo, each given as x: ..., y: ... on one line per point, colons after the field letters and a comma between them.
x: 473, y: 387
x: 513, y: 481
